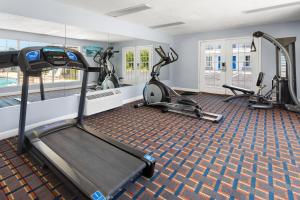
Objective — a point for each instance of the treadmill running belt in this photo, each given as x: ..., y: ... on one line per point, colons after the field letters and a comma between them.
x: 103, y: 164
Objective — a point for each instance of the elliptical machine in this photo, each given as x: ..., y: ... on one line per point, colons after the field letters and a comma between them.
x: 158, y: 94
x: 108, y: 78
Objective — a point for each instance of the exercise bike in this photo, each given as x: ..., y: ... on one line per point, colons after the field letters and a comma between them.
x: 157, y: 94
x: 108, y: 78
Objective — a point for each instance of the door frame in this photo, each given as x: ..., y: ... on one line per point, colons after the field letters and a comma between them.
x: 258, y: 43
x: 124, y: 50
x: 136, y: 63
x: 151, y: 60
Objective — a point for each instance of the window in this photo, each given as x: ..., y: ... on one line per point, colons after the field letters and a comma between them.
x: 13, y: 76
x: 145, y: 58
x: 208, y: 63
x: 218, y: 62
x: 8, y: 76
x: 282, y: 65
x: 247, y: 61
x: 68, y: 75
x: 129, y: 61
x: 241, y: 64
x: 136, y: 63
x: 234, y: 63
x: 62, y: 74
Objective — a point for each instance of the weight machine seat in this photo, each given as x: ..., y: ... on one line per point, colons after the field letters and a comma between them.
x: 245, y: 91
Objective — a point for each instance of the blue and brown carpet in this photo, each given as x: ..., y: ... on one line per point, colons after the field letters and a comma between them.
x: 251, y: 154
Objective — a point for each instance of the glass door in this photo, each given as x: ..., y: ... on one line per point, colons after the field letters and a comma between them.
x: 227, y: 61
x: 213, y: 67
x: 129, y: 65
x: 137, y: 63
x: 144, y: 63
x: 241, y: 63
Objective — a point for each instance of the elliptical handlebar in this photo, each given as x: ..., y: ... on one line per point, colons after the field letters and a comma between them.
x: 101, y: 56
x: 160, y: 52
x: 165, y: 59
x: 171, y: 57
x: 173, y: 52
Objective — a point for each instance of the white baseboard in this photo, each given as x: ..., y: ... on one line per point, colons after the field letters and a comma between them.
x: 125, y: 101
x: 186, y: 89
x: 14, y: 132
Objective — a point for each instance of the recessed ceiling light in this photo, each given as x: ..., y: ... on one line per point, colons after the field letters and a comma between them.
x: 272, y: 7
x: 167, y: 25
x: 129, y: 10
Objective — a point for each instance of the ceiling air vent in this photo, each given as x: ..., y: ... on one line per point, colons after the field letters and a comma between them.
x: 272, y: 7
x: 167, y: 25
x: 129, y: 10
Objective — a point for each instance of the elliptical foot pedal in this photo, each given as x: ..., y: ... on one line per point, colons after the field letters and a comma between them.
x: 138, y: 105
x: 199, y: 113
x: 293, y: 108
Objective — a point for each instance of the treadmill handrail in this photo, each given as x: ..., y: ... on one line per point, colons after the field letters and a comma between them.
x: 56, y: 59
x: 42, y: 63
x: 8, y: 59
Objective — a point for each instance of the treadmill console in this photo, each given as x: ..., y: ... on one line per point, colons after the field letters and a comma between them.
x: 42, y: 59
x: 55, y: 56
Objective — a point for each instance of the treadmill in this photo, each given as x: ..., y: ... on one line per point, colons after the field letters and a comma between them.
x: 92, y: 164
x: 10, y: 59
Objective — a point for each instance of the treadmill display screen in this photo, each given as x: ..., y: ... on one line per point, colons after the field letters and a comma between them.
x: 53, y: 49
x: 72, y: 56
x: 32, y: 56
x: 56, y: 56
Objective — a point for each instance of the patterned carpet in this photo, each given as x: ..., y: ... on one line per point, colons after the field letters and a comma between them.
x: 251, y: 154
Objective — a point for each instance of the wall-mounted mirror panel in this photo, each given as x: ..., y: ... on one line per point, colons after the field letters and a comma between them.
x: 122, y: 61
x: 135, y: 60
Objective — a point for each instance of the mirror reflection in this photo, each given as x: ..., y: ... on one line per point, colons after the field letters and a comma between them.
x: 14, y: 38
x: 134, y: 61
x: 121, y: 61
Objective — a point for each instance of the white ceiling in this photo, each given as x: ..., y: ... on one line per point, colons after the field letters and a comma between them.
x: 25, y: 24
x: 199, y: 15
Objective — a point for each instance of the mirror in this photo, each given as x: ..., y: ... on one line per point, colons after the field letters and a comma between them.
x: 135, y: 59
x: 19, y: 32
x: 128, y: 60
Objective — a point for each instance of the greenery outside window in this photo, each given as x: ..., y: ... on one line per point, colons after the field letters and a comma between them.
x: 129, y: 61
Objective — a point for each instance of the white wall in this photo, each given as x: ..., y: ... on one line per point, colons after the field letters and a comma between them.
x: 38, y: 113
x: 185, y: 71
